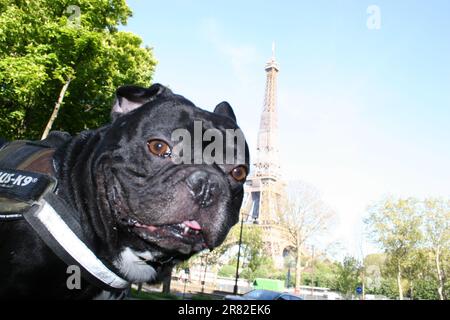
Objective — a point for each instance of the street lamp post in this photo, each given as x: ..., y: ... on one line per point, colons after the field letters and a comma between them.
x: 288, y: 277
x: 186, y: 273
x: 204, y: 275
x: 235, y: 291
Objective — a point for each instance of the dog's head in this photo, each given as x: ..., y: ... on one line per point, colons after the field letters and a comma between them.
x: 172, y: 174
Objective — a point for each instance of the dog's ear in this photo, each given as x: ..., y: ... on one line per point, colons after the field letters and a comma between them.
x: 226, y: 110
x: 129, y: 98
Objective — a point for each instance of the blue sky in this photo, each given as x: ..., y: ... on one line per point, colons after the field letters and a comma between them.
x: 363, y: 113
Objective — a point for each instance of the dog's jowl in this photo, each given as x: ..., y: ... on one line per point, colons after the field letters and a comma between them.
x: 115, y: 206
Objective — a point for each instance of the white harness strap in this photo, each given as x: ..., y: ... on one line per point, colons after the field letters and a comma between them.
x: 58, y: 228
x: 29, y: 191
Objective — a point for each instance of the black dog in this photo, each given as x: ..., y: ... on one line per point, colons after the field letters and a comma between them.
x: 140, y: 211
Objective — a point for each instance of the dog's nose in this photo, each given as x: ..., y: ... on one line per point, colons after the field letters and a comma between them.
x: 204, y: 187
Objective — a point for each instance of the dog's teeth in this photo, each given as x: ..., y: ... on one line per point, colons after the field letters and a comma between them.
x: 186, y: 230
x: 197, y: 232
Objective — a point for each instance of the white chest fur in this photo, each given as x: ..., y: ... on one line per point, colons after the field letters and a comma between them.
x: 133, y: 267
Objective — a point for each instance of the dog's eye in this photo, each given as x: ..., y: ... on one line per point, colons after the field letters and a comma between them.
x: 239, y: 173
x: 159, y: 148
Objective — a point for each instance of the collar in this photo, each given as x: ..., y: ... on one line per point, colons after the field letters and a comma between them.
x: 58, y: 228
x: 29, y: 193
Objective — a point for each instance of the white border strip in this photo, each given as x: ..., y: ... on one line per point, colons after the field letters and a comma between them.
x: 76, y: 248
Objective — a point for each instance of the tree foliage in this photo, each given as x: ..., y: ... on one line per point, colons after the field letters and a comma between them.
x: 45, y: 43
x: 395, y: 224
x: 414, y: 235
x: 348, y: 276
x: 254, y: 261
x: 437, y: 238
x: 322, y: 274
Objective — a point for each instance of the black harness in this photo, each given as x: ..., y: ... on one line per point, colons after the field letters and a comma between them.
x: 28, y: 191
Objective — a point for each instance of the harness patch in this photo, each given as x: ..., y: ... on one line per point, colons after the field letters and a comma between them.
x: 24, y: 186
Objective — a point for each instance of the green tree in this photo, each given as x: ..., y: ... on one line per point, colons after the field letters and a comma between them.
x: 395, y: 225
x: 388, y: 288
x: 425, y: 289
x: 437, y: 237
x: 416, y: 267
x: 227, y: 270
x: 348, y: 276
x: 373, y: 266
x: 253, y: 256
x: 323, y: 273
x: 254, y: 262
x: 418, y: 270
x: 53, y: 56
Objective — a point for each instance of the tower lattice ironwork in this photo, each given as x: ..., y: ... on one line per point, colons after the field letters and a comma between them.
x: 264, y: 191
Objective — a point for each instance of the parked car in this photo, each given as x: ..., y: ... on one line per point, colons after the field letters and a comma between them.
x: 264, y: 295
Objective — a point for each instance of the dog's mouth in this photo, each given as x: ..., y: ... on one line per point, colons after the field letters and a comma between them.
x: 186, y: 237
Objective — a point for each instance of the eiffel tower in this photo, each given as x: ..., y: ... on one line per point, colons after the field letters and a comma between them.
x: 264, y: 190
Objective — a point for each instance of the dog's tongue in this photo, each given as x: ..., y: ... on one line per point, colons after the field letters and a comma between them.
x: 194, y: 225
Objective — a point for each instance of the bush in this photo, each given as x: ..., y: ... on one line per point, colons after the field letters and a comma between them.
x: 426, y: 289
x: 227, y: 271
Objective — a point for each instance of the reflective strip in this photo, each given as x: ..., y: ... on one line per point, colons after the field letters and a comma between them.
x: 76, y: 248
x: 11, y: 216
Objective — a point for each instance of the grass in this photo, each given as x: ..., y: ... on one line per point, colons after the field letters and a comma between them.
x: 152, y: 295
x: 163, y: 296
x: 202, y: 297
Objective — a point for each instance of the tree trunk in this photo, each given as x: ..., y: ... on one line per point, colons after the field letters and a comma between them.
x: 298, y: 269
x: 439, y: 272
x: 399, y: 282
x: 166, y: 282
x: 56, y: 109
